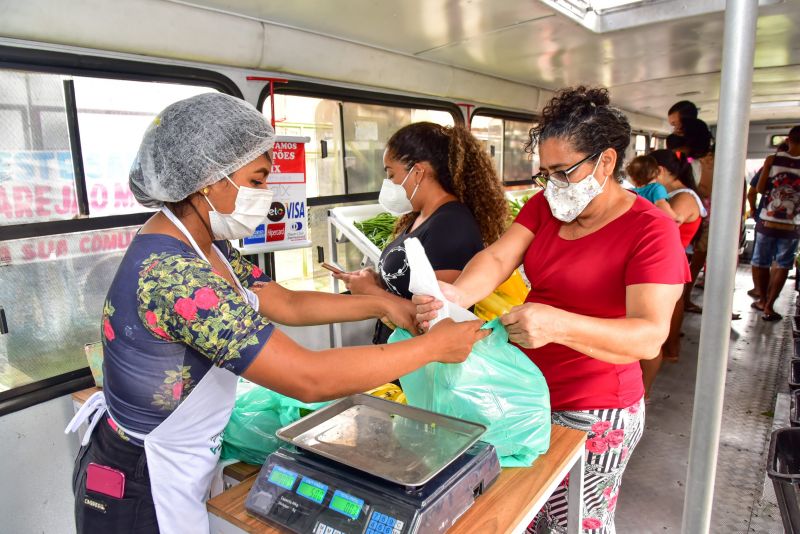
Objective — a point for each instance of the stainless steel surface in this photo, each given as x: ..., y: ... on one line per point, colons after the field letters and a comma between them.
x: 654, y: 485
x: 392, y: 441
x: 737, y: 77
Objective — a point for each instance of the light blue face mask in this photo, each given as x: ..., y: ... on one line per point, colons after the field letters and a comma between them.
x: 393, y: 197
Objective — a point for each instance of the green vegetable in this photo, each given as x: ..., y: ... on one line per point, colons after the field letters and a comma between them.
x: 378, y: 229
x: 514, y: 206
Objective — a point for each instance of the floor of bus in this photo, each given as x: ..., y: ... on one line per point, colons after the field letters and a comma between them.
x: 653, y: 486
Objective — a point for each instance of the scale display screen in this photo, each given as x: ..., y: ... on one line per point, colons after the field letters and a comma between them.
x: 312, y: 490
x: 346, y: 504
x: 282, y: 477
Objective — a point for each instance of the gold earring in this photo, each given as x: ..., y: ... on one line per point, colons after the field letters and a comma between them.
x: 205, y: 191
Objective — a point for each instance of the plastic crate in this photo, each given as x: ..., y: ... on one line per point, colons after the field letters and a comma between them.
x: 794, y: 409
x: 783, y: 467
x: 794, y: 374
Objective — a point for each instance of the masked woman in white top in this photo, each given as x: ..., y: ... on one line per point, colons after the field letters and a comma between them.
x: 186, y: 315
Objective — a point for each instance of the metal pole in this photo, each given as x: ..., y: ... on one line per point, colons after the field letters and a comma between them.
x: 734, y: 113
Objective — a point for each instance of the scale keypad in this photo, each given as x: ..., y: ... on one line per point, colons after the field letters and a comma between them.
x: 383, y: 524
x: 325, y: 529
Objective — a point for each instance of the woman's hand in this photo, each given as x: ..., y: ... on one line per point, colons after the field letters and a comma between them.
x: 362, y: 282
x: 531, y: 325
x: 427, y: 306
x: 452, y: 342
x: 402, y: 313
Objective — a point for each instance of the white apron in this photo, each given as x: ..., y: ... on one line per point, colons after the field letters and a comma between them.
x: 183, y: 451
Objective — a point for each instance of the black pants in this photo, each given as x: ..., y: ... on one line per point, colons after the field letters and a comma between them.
x: 96, y: 513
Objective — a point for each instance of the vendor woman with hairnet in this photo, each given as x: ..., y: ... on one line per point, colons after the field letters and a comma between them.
x: 186, y: 315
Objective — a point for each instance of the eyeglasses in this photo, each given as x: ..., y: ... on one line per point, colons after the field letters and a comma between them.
x: 560, y: 179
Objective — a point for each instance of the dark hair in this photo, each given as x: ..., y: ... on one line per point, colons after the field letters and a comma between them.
x: 676, y: 165
x: 461, y: 167
x: 584, y: 118
x: 642, y: 170
x: 794, y: 135
x: 697, y: 137
x: 675, y: 141
x: 685, y: 109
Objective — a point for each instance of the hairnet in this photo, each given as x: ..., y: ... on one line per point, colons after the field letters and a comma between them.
x: 194, y: 143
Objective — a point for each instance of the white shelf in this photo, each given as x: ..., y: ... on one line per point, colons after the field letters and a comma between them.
x: 343, y: 218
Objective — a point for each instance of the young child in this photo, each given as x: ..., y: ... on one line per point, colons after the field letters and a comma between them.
x: 643, y: 171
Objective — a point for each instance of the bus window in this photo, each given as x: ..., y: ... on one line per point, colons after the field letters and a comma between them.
x: 505, y: 141
x: 319, y: 120
x: 640, y: 144
x: 54, y: 283
x: 112, y: 117
x: 657, y: 143
x: 37, y: 182
x: 52, y: 292
x: 367, y: 128
x: 355, y: 136
x: 517, y: 164
x: 489, y: 131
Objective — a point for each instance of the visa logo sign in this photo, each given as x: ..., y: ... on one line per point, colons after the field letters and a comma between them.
x: 296, y: 210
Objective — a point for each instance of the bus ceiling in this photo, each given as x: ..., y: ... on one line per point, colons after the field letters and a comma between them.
x: 505, y: 54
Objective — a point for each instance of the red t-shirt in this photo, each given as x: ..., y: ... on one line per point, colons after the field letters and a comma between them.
x: 588, y: 276
x: 688, y: 230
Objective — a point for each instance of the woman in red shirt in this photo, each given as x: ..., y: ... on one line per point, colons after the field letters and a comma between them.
x: 606, y: 269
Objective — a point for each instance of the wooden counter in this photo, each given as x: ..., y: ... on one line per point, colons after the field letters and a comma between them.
x: 509, y: 505
x: 79, y: 397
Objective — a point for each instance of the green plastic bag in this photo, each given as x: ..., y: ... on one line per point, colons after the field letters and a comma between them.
x: 250, y: 434
x: 497, y: 386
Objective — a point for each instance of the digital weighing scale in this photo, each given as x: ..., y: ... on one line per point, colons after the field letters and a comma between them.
x: 364, y: 465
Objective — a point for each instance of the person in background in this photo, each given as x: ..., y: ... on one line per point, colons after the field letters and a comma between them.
x: 777, y: 241
x: 186, y: 315
x: 679, y: 112
x: 606, y: 268
x: 444, y: 187
x: 755, y: 204
x: 695, y: 142
x: 643, y: 172
x: 675, y: 174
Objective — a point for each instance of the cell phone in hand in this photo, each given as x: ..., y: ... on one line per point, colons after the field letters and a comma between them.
x: 105, y: 480
x: 331, y: 268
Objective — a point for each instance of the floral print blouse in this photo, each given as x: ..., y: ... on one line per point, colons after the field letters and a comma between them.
x: 167, y: 319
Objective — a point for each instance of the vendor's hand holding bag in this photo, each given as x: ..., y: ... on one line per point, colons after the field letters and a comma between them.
x: 497, y: 386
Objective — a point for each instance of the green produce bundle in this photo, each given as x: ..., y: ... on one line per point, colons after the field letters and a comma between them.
x: 514, y: 206
x: 378, y: 229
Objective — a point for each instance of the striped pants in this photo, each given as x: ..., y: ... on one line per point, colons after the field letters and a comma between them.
x: 612, y: 436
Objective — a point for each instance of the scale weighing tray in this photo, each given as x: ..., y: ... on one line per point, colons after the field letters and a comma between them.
x: 305, y: 492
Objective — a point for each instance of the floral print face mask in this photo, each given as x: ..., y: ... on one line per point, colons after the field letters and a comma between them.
x: 566, y: 203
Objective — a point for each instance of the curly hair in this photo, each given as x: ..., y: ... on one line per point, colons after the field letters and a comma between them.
x: 585, y: 118
x: 460, y: 166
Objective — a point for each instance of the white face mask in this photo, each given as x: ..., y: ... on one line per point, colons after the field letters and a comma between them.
x: 393, y: 197
x: 566, y: 203
x: 250, y: 210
